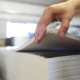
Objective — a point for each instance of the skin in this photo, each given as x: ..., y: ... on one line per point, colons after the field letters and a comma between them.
x: 62, y: 12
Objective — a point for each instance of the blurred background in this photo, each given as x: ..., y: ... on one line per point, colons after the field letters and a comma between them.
x: 18, y: 20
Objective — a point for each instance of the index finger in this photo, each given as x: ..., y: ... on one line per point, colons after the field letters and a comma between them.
x: 45, y: 20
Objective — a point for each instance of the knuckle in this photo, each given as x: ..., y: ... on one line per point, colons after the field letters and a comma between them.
x: 65, y: 28
x: 69, y: 17
x: 47, y: 9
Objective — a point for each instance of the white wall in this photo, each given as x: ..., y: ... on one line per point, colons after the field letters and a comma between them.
x: 20, y: 11
x: 18, y: 41
x: 16, y: 7
x: 3, y: 29
x: 15, y: 11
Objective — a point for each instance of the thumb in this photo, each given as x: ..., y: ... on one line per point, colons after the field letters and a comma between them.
x: 64, y: 27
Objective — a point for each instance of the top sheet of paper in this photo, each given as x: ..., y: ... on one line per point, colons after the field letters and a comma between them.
x: 52, y: 42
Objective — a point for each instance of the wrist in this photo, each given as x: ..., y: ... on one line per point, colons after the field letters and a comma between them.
x: 74, y: 3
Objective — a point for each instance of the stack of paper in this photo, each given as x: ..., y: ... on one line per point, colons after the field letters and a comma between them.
x: 52, y: 59
x: 28, y: 66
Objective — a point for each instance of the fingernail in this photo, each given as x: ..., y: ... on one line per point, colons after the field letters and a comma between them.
x: 39, y: 38
x: 63, y: 34
x: 36, y: 41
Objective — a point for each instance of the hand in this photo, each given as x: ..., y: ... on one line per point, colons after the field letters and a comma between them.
x: 62, y: 12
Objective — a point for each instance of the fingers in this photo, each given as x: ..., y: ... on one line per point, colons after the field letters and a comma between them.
x: 37, y: 29
x: 43, y: 23
x: 64, y: 27
x: 36, y: 35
